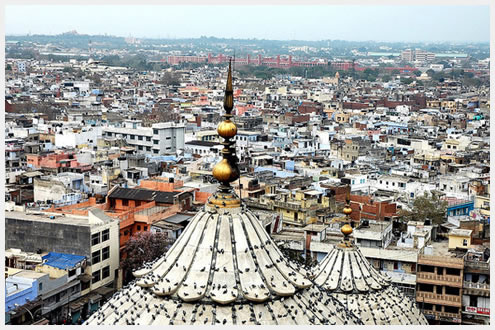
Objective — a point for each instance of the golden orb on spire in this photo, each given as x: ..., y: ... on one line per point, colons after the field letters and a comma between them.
x: 227, y: 129
x: 346, y: 229
x: 223, y: 171
x: 347, y: 210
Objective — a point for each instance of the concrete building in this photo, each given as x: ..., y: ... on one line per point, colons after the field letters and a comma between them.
x: 95, y: 236
x: 159, y: 139
x: 439, y: 281
x: 476, y: 288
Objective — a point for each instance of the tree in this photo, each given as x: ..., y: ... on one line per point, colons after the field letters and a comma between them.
x: 96, y: 79
x: 395, y: 72
x: 170, y: 78
x: 428, y: 206
x: 417, y: 73
x: 143, y: 247
x: 8, y: 67
x: 386, y: 78
x: 430, y: 72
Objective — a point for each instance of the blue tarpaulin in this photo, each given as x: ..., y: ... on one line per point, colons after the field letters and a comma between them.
x: 62, y: 260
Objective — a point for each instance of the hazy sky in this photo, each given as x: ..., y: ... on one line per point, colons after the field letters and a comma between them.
x: 359, y: 23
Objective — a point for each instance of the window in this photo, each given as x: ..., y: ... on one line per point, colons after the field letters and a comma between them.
x: 168, y: 138
x: 155, y: 131
x: 138, y: 227
x: 148, y: 138
x: 148, y: 148
x: 140, y: 147
x: 140, y: 137
x: 40, y: 287
x: 155, y: 141
x: 96, y: 276
x: 105, y: 235
x: 72, y: 272
x: 145, y: 228
x: 125, y: 202
x: 95, y: 239
x: 95, y: 257
x: 464, y: 242
x: 105, y: 272
x: 353, y: 181
x: 155, y: 151
x: 105, y: 253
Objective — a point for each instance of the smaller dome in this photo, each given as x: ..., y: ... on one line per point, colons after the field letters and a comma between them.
x: 227, y: 129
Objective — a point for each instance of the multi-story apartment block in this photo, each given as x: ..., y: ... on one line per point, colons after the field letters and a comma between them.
x: 439, y: 282
x: 95, y: 236
x: 476, y: 288
x: 159, y: 139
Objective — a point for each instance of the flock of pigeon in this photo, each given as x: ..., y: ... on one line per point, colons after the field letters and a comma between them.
x: 225, y: 269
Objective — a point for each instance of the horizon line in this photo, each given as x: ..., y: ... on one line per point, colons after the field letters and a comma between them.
x: 240, y: 38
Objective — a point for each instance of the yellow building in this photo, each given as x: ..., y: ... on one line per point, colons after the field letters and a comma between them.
x: 300, y: 209
x: 483, y: 204
x: 460, y: 239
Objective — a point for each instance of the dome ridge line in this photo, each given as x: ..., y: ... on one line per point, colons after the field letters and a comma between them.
x: 175, y: 247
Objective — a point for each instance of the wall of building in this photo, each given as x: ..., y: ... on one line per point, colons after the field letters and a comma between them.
x: 29, y: 235
x: 458, y: 242
x: 48, y: 190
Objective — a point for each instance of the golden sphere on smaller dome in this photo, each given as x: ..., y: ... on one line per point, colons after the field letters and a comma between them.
x: 227, y: 129
x: 346, y: 229
x: 222, y: 171
x: 347, y: 210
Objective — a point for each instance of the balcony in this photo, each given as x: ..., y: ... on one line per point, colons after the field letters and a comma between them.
x: 477, y: 289
x: 288, y: 206
x: 440, y: 299
x: 476, y: 266
x: 473, y: 285
x: 432, y: 278
x: 441, y: 261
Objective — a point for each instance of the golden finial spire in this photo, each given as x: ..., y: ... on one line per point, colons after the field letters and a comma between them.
x: 347, y: 229
x: 227, y: 171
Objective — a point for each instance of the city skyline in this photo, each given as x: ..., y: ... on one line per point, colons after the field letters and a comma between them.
x: 330, y: 22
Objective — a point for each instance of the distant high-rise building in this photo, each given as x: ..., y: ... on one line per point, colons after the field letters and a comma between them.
x: 407, y: 55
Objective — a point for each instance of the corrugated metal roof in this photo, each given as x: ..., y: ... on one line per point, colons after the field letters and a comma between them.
x: 144, y: 195
x: 178, y: 218
x: 62, y: 260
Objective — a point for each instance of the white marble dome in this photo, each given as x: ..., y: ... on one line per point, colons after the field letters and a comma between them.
x: 223, y: 269
x: 349, y: 277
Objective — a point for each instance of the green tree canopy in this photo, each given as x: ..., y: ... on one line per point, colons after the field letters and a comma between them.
x: 428, y: 206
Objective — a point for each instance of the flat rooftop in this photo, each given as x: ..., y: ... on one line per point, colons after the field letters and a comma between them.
x: 45, y: 217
